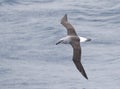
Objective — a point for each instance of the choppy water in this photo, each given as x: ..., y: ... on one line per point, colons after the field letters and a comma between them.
x: 29, y: 58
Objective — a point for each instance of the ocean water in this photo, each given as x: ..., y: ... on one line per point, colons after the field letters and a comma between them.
x: 29, y: 58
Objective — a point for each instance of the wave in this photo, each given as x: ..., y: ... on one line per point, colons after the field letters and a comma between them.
x: 9, y: 2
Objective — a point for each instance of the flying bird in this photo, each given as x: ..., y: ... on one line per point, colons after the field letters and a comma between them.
x: 74, y: 40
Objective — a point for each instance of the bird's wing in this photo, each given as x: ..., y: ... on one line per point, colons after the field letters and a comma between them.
x: 77, y: 58
x: 68, y: 26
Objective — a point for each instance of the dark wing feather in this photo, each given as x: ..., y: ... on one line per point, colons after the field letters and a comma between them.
x: 77, y: 57
x: 68, y: 26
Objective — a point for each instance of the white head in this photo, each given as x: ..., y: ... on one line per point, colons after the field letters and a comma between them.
x: 64, y: 40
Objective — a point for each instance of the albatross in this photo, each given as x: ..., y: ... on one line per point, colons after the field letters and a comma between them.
x: 74, y: 40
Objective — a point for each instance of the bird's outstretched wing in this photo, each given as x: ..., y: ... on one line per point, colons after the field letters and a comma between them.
x: 77, y: 58
x: 68, y: 26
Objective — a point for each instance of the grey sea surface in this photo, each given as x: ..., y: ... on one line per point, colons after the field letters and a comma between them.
x: 29, y: 58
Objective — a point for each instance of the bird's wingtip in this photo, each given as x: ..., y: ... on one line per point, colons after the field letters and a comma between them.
x: 64, y: 18
x: 65, y: 15
x: 86, y: 77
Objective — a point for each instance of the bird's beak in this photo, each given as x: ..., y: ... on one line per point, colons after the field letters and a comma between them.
x: 58, y: 42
